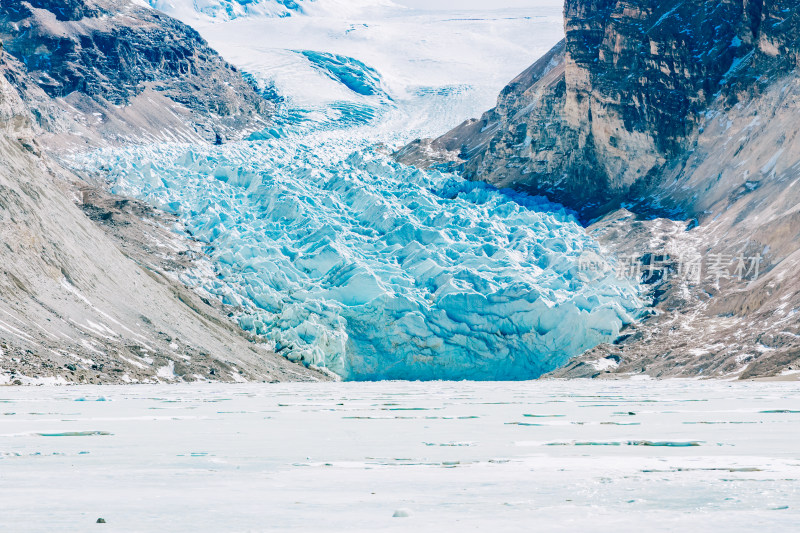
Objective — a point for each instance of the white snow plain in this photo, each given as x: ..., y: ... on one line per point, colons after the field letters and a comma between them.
x: 347, y: 260
x: 526, y: 456
x: 439, y: 67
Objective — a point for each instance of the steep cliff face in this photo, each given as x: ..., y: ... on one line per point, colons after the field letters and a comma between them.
x: 684, y: 110
x: 625, y: 96
x: 740, y: 182
x: 129, y: 71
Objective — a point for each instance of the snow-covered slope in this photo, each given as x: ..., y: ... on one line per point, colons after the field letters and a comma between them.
x: 436, y: 67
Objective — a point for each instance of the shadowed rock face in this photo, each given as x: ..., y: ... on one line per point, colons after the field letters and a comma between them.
x: 594, y: 123
x: 109, y: 52
x: 63, y: 10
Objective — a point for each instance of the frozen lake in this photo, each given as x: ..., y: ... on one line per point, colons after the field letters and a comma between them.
x: 546, y: 456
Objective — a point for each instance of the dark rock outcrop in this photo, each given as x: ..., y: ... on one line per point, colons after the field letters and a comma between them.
x: 98, y: 56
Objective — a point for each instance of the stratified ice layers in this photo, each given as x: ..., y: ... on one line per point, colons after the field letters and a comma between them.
x: 376, y: 270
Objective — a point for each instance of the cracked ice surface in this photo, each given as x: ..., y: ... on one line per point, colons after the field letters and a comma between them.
x: 555, y: 456
x: 375, y: 270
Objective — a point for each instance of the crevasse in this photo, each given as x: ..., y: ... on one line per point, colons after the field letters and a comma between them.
x: 375, y: 270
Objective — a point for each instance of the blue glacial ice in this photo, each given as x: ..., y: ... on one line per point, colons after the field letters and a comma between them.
x: 352, y: 73
x: 351, y: 261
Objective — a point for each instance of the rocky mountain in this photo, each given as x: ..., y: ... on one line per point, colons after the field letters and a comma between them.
x: 93, y: 287
x: 673, y: 129
x: 124, y: 72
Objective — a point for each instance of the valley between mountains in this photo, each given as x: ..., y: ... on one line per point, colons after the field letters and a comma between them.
x: 261, y: 192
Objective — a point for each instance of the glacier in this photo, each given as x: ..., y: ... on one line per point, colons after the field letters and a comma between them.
x: 399, y: 51
x: 343, y: 258
x: 351, y: 261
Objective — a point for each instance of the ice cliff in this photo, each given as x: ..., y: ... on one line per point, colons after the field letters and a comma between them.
x: 341, y: 256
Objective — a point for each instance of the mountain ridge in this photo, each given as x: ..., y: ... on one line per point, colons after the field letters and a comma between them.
x: 122, y: 72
